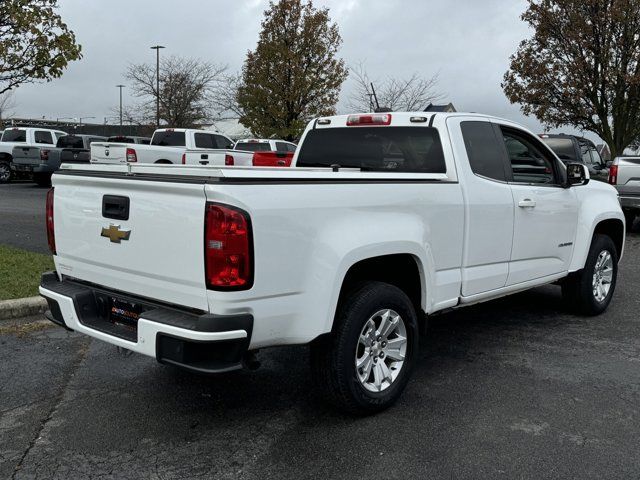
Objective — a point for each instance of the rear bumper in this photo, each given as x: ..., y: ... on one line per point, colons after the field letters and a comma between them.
x: 32, y: 167
x: 204, y: 343
x: 630, y: 202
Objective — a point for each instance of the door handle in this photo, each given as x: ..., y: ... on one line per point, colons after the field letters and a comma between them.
x: 527, y: 203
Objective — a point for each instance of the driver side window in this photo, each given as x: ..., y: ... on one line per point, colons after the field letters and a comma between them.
x: 529, y: 162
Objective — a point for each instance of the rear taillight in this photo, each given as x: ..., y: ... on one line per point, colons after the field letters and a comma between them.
x: 228, y: 160
x: 51, y: 238
x: 613, y: 174
x: 131, y: 155
x: 184, y: 158
x: 228, y: 249
x: 369, y: 119
x: 44, y: 155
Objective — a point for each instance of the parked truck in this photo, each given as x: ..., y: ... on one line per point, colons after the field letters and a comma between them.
x: 624, y: 175
x: 168, y: 146
x: 24, y: 138
x: 385, y: 219
x: 41, y: 162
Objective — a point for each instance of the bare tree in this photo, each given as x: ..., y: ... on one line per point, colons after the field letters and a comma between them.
x: 224, y: 98
x: 188, y: 88
x: 399, y: 94
x: 7, y: 104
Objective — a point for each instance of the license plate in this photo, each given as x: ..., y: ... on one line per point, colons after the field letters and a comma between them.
x: 124, y: 314
x: 24, y: 168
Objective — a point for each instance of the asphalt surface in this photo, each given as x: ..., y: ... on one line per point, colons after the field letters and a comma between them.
x: 22, y: 216
x: 514, y: 388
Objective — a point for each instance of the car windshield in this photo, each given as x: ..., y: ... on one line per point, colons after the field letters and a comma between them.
x: 168, y: 138
x: 14, y: 135
x: 253, y: 146
x: 399, y: 149
x: 562, y: 147
x: 69, y: 141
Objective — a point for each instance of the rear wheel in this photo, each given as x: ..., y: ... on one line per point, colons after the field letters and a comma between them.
x: 42, y: 179
x: 590, y: 291
x: 5, y: 172
x: 365, y: 364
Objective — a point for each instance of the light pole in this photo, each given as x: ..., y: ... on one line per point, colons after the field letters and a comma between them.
x: 120, y: 87
x: 157, y: 49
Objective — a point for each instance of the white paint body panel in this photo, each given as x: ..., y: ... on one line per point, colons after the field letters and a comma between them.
x: 465, y: 233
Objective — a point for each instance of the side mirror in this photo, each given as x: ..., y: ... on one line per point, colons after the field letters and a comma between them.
x: 577, y: 174
x: 608, y: 163
x: 597, y: 166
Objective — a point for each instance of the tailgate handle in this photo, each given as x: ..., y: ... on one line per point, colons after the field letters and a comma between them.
x: 116, y: 207
x: 204, y: 156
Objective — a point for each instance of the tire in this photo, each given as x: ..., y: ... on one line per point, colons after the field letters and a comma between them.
x: 42, y: 179
x: 163, y: 162
x: 580, y: 289
x: 334, y: 357
x: 5, y: 172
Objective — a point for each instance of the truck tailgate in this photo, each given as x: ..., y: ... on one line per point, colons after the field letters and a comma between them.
x: 26, y: 155
x: 74, y: 155
x: 108, y: 153
x: 157, y: 252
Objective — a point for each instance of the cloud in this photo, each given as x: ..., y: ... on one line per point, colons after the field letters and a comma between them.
x: 467, y: 42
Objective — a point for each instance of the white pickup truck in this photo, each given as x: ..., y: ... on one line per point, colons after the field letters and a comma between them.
x: 387, y: 218
x: 23, y: 138
x: 168, y: 146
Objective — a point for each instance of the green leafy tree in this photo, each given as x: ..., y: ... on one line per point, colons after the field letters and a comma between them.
x: 294, y: 73
x: 581, y: 67
x: 35, y: 44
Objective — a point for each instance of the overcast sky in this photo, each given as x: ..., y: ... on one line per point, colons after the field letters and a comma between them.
x: 466, y: 42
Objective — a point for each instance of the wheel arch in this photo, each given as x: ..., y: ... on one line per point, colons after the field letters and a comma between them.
x: 613, y: 228
x: 163, y: 161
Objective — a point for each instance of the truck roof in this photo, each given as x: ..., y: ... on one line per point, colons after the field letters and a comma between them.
x: 395, y: 118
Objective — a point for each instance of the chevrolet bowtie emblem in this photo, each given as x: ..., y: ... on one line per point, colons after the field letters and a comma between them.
x: 114, y: 233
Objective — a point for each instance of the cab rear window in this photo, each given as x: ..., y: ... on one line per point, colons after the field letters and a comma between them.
x: 397, y: 149
x: 14, y: 135
x: 253, y: 146
x: 70, y: 141
x: 168, y: 138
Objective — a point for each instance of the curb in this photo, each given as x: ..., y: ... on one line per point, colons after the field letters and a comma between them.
x: 22, y: 307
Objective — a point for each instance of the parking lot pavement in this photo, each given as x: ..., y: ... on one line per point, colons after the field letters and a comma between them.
x: 22, y: 216
x: 511, y: 388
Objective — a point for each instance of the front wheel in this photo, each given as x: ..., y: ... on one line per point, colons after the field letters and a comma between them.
x: 365, y: 364
x: 590, y: 291
x: 5, y: 172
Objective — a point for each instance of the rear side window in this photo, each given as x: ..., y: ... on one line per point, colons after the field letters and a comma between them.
x: 205, y: 140
x: 253, y: 146
x: 483, y: 150
x: 43, y: 137
x: 168, y: 138
x: 291, y: 147
x: 16, y: 135
x: 398, y: 149
x: 70, y: 142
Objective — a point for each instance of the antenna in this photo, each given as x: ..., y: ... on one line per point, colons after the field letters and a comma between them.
x: 375, y: 97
